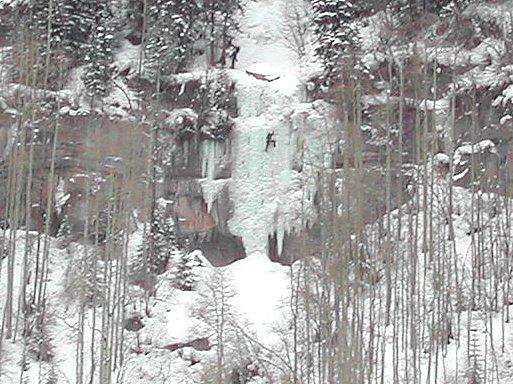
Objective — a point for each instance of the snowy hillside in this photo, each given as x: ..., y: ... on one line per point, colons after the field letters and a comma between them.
x: 256, y: 191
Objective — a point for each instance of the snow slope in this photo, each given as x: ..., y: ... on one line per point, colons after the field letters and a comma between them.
x: 262, y: 292
x: 173, y: 318
x: 263, y: 46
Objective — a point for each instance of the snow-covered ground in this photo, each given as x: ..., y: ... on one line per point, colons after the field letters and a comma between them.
x: 259, y: 304
x: 263, y: 45
x: 258, y: 286
x: 272, y: 192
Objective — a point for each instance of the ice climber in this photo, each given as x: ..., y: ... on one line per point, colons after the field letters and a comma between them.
x: 270, y: 140
x: 233, y: 55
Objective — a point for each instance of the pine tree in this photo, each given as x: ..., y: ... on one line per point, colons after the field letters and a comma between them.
x: 76, y: 24
x: 216, y: 100
x: 151, y: 260
x: 98, y: 72
x: 221, y: 22
x: 172, y: 35
x: 409, y: 9
x: 72, y: 23
x: 404, y: 9
x: 184, y: 276
x: 336, y: 28
x: 40, y: 32
x: 64, y: 231
x: 41, y: 13
x: 446, y: 8
x: 56, y: 32
x: 220, y: 92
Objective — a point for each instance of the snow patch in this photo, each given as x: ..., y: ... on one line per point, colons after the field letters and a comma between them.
x: 261, y: 289
x: 471, y: 149
x: 211, y: 190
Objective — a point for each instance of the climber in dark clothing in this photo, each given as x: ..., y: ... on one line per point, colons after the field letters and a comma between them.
x: 234, y: 54
x: 270, y: 140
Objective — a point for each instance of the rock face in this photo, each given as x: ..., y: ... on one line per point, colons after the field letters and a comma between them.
x: 206, y: 226
x: 202, y: 344
x: 296, y: 245
x: 478, y: 164
x: 233, y: 196
x: 87, y: 156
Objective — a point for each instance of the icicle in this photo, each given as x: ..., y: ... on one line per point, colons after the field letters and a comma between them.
x: 280, y: 235
x: 186, y: 151
x: 211, y: 160
x: 204, y: 159
x: 208, y: 159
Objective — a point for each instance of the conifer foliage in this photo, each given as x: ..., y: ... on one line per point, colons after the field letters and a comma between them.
x: 172, y: 35
x: 77, y: 23
x: 220, y: 24
x: 410, y: 9
x: 446, y: 8
x: 67, y: 34
x: 159, y: 251
x: 158, y: 246
x: 336, y: 30
x: 181, y: 29
x: 68, y: 22
x: 97, y: 74
x: 184, y: 276
x: 217, y: 102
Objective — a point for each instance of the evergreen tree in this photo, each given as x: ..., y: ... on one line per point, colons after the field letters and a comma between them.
x: 60, y: 31
x: 336, y: 28
x: 184, y: 277
x: 409, y: 9
x: 42, y: 13
x: 72, y: 23
x: 76, y: 24
x: 401, y: 13
x: 445, y: 8
x: 152, y: 260
x: 229, y: 26
x: 98, y: 72
x: 43, y: 22
x: 216, y: 100
x: 64, y: 231
x: 221, y: 22
x: 172, y: 35
x: 405, y: 9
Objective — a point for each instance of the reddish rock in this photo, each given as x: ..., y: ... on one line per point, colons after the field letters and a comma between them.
x: 193, y: 215
x: 133, y: 323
